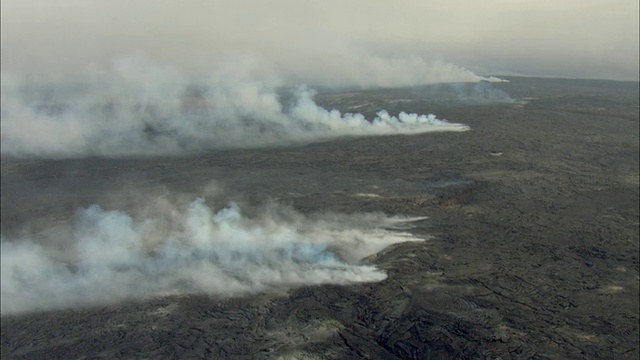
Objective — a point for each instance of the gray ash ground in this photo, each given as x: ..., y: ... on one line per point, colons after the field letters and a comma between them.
x: 533, y: 216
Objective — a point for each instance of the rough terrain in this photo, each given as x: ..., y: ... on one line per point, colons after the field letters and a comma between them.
x: 533, y: 216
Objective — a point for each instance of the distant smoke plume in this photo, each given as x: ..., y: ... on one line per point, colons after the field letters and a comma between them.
x: 139, y: 108
x: 368, y: 70
x: 109, y: 256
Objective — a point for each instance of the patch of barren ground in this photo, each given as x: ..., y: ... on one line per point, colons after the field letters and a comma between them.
x: 533, y: 213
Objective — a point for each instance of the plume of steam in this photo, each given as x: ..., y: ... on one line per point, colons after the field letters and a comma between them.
x: 408, y: 70
x: 191, y: 249
x: 139, y: 108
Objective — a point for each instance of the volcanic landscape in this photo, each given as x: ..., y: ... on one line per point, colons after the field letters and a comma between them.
x: 516, y: 239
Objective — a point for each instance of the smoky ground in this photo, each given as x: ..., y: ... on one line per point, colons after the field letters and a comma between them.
x: 532, y: 232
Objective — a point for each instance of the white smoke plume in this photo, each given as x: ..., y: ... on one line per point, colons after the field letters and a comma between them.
x: 364, y: 69
x: 110, y: 256
x: 140, y: 108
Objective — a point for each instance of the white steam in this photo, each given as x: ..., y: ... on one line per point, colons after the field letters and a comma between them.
x: 139, y: 108
x: 365, y: 69
x: 111, y: 256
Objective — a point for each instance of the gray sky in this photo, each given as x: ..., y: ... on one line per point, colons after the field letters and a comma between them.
x: 330, y: 40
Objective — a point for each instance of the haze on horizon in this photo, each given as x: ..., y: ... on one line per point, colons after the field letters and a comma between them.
x: 365, y: 42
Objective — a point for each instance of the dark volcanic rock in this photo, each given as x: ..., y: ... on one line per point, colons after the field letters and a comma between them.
x: 533, y: 216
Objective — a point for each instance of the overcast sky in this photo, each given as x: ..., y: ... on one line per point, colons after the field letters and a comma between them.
x: 327, y: 39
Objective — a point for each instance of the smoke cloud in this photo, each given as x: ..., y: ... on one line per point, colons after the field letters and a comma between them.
x: 366, y: 69
x: 330, y: 40
x: 110, y: 256
x: 141, y: 108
